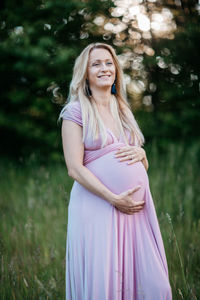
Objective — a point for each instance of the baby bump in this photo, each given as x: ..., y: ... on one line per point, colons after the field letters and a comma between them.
x: 119, y: 176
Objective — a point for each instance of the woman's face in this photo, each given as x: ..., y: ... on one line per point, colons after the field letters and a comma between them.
x: 101, y: 69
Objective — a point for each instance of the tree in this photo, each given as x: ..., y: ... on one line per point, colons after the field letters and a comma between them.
x: 40, y: 41
x: 157, y: 44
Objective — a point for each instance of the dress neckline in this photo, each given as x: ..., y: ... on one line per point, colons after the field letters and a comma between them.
x: 113, y: 135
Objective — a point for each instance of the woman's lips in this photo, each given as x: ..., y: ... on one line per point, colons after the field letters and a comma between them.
x: 104, y: 76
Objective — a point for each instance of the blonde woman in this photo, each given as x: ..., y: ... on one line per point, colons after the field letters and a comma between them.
x: 114, y: 245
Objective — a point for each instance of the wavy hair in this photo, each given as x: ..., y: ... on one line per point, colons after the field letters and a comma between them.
x: 119, y: 106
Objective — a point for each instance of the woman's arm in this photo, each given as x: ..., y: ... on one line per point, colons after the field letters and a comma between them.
x: 145, y: 162
x: 73, y: 148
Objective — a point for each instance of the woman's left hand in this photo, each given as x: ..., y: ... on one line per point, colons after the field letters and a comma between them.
x: 131, y: 153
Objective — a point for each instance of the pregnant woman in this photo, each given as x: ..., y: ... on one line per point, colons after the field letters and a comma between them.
x: 114, y: 244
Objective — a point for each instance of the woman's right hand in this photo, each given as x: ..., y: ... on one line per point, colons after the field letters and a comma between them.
x: 126, y: 204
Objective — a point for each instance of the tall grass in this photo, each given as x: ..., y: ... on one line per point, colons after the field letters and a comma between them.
x: 33, y: 230
x: 175, y: 185
x: 33, y: 207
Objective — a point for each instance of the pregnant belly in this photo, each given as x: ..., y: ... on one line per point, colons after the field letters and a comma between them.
x: 118, y: 176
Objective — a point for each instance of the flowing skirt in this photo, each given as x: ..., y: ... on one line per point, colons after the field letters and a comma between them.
x: 111, y: 255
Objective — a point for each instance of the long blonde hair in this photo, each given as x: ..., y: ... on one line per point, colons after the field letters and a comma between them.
x: 119, y: 106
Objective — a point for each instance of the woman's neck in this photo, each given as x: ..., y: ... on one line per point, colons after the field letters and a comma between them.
x: 102, y: 98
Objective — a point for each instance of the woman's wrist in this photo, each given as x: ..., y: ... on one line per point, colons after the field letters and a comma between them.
x: 144, y: 158
x: 112, y: 198
x: 145, y: 163
x: 144, y: 154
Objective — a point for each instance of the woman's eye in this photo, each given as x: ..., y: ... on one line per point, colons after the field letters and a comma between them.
x: 97, y: 64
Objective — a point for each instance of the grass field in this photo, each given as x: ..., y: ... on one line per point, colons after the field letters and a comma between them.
x: 33, y: 224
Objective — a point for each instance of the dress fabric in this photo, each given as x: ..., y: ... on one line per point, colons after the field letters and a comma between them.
x: 111, y: 255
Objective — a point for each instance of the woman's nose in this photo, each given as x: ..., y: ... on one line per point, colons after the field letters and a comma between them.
x: 104, y: 66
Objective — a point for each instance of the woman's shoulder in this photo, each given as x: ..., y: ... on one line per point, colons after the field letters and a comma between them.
x: 72, y: 106
x: 72, y: 111
x: 75, y: 104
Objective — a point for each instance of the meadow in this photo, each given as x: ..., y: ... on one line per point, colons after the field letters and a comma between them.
x: 33, y: 206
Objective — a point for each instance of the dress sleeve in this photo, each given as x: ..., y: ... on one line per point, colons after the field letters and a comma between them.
x: 72, y: 112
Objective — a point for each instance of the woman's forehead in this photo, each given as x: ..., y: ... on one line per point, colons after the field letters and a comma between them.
x: 100, y: 54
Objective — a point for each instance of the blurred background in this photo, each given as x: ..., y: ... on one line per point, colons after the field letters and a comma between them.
x: 158, y: 44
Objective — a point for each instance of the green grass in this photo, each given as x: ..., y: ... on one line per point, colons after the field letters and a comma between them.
x: 33, y: 230
x: 33, y: 222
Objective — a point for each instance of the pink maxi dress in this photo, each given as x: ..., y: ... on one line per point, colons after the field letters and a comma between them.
x: 111, y: 255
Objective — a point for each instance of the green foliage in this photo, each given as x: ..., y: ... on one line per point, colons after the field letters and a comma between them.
x: 176, y: 101
x: 39, y: 43
x: 38, y: 49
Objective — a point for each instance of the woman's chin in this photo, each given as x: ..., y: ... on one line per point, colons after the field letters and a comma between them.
x: 105, y: 85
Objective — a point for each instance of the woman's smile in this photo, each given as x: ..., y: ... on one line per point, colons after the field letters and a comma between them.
x: 104, y: 76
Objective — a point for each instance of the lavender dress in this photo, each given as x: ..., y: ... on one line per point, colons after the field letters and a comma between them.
x: 111, y: 255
